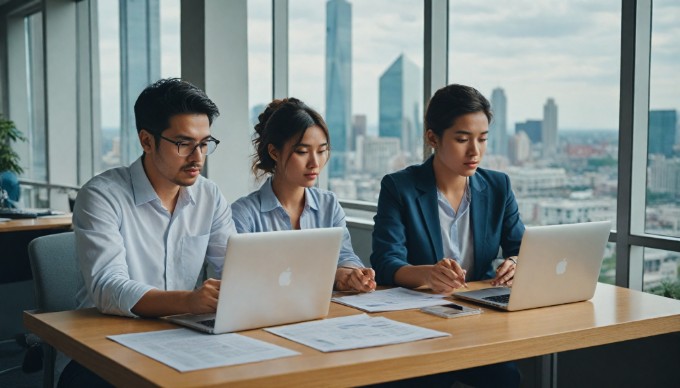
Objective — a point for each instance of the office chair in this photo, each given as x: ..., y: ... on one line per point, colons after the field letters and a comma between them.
x: 55, y: 275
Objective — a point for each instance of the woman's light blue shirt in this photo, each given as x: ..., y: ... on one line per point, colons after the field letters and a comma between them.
x: 261, y: 211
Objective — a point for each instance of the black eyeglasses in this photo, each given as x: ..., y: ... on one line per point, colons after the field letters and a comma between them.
x: 188, y: 147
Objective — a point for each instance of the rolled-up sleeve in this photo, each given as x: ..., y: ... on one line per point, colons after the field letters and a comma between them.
x: 222, y: 227
x: 101, y: 255
x: 347, y: 256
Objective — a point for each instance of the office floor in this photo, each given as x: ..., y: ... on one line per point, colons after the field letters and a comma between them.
x: 11, y: 355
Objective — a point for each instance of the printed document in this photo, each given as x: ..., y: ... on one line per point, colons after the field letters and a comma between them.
x: 391, y: 299
x: 353, y: 332
x: 187, y: 350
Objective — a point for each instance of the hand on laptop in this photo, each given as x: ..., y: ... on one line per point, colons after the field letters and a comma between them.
x: 204, y: 299
x: 355, y: 279
x: 505, y: 272
x: 445, y: 276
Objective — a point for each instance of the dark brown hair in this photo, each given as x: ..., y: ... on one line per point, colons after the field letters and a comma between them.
x: 452, y: 102
x: 280, y: 122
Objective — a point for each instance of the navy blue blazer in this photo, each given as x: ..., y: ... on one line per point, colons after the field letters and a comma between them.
x: 407, y: 229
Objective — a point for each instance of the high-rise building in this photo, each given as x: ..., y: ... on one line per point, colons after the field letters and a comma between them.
x: 498, y: 135
x: 662, y: 125
x: 549, y: 133
x: 533, y: 129
x: 140, y: 39
x: 338, y: 81
x: 400, y: 95
x: 358, y: 129
x: 378, y: 154
x: 519, y: 148
x: 664, y: 175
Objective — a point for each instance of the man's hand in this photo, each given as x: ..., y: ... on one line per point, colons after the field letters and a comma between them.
x: 203, y: 300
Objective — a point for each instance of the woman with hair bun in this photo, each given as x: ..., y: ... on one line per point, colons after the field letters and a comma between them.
x: 292, y: 146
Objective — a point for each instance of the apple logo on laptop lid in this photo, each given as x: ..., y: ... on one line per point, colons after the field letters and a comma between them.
x: 561, y: 266
x: 285, y: 277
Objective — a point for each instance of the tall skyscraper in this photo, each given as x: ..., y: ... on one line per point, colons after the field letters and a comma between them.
x: 661, y: 136
x: 358, y: 129
x: 400, y: 95
x: 338, y: 81
x: 498, y: 135
x: 519, y: 148
x: 549, y: 130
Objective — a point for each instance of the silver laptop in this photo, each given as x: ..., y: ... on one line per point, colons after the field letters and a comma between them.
x: 556, y: 264
x: 272, y: 278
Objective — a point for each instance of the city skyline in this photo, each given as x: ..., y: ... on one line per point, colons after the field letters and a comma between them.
x: 400, y: 31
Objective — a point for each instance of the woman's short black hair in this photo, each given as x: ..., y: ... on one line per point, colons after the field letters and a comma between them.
x: 451, y: 102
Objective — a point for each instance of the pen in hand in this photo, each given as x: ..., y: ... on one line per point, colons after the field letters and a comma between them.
x: 455, y: 267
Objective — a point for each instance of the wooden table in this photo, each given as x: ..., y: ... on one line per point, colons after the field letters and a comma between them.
x: 614, y: 314
x: 40, y: 223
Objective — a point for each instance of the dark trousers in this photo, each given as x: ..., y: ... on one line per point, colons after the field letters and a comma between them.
x: 76, y: 375
x: 502, y: 375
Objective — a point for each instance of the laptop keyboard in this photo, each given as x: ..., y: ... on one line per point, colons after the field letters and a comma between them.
x: 208, y: 322
x: 22, y: 213
x: 498, y: 298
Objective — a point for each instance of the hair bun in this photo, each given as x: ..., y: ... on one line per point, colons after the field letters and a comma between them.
x: 272, y: 107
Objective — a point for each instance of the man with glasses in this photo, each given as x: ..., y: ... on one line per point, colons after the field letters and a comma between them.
x: 143, y: 232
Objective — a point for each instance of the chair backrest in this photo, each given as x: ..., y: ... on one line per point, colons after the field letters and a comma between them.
x: 55, y: 274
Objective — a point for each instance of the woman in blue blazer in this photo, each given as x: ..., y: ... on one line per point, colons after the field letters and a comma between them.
x: 409, y: 247
x: 441, y: 223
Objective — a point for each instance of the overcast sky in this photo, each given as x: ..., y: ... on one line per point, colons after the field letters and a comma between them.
x: 533, y: 49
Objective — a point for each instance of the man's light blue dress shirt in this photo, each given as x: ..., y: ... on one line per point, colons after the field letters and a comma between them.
x: 128, y: 243
x: 261, y: 211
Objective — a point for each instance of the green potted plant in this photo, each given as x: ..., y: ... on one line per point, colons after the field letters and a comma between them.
x: 9, y: 163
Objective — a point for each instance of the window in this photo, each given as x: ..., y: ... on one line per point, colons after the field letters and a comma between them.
x: 661, y: 272
x: 259, y: 56
x: 36, y: 160
x: 139, y: 43
x: 359, y: 64
x: 663, y: 144
x: 555, y: 126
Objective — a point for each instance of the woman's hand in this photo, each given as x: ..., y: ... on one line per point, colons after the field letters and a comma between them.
x: 445, y: 276
x: 355, y: 279
x: 505, y: 272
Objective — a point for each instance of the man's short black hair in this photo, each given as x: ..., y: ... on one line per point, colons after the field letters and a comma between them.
x: 169, y: 97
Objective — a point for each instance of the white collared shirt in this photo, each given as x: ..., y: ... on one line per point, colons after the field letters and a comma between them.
x: 457, y: 238
x: 128, y: 243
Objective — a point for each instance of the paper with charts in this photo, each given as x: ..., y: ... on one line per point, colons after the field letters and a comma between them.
x: 187, y: 350
x: 391, y: 299
x: 353, y: 332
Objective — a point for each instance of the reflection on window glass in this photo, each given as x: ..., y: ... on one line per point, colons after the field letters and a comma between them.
x: 109, y: 69
x: 663, y: 144
x: 152, y: 50
x: 36, y: 163
x: 661, y: 274
x: 555, y: 130
x: 259, y: 56
x: 608, y: 270
x: 359, y: 63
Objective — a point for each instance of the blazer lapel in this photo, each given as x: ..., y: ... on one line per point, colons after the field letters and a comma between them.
x: 478, y: 212
x: 427, y: 202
